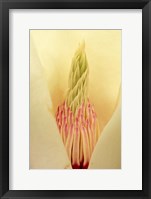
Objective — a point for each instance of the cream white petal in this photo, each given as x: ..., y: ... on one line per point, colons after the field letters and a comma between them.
x: 107, y: 153
x: 46, y: 148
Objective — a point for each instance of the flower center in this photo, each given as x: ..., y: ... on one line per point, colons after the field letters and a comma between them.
x: 76, y: 118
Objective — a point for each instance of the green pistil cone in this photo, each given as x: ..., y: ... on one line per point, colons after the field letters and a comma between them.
x: 78, y: 80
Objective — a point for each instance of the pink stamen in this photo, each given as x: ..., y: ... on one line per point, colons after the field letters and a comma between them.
x: 83, y: 126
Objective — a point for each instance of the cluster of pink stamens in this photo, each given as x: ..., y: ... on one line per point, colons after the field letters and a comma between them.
x: 79, y: 132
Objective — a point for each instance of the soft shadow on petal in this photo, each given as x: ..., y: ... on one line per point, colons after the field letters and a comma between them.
x: 107, y: 153
x: 46, y: 148
x: 55, y: 55
x: 104, y: 58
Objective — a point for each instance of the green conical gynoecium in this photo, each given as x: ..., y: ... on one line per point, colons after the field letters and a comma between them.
x: 78, y: 79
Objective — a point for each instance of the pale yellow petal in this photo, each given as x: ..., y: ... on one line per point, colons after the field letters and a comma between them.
x: 107, y: 153
x: 46, y: 147
x: 104, y: 58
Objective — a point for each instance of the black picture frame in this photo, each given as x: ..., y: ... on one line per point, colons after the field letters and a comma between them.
x: 5, y: 5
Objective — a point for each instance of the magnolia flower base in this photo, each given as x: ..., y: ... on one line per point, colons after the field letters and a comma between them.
x: 79, y: 133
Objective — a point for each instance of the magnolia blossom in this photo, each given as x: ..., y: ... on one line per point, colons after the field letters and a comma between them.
x: 74, y: 100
